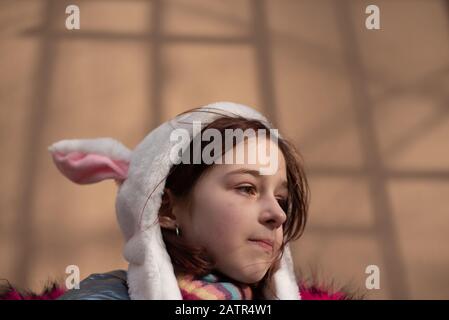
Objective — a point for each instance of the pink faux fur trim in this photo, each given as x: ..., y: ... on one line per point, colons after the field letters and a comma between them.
x: 50, y: 293
x: 314, y: 293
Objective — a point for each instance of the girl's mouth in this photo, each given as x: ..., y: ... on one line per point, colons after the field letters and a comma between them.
x: 265, y: 244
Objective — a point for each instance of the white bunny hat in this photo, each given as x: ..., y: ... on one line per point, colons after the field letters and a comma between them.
x: 142, y: 172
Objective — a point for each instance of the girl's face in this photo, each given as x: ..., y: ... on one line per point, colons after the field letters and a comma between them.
x: 236, y: 214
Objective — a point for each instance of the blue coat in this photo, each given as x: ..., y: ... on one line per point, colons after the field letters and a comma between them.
x: 102, y: 286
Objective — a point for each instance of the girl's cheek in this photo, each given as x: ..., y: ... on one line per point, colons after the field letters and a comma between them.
x: 227, y: 222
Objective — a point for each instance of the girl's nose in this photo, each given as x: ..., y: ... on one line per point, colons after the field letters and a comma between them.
x: 273, y: 215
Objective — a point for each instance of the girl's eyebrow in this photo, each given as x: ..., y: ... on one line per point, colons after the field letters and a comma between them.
x: 255, y: 173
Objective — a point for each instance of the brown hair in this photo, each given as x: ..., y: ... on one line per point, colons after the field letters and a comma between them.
x: 183, y: 177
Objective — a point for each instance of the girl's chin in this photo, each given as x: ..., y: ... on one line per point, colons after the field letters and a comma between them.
x: 249, y: 272
x: 253, y: 276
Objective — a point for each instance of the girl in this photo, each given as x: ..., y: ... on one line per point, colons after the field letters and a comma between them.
x: 196, y: 229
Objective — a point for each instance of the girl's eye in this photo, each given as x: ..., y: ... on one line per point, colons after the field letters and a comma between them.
x: 247, y: 189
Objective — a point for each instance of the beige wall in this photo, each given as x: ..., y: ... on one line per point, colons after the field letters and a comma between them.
x: 368, y: 110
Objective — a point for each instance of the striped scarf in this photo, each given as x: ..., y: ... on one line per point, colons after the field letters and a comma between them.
x: 211, y: 287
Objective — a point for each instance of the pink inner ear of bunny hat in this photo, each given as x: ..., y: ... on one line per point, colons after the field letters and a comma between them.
x: 84, y: 168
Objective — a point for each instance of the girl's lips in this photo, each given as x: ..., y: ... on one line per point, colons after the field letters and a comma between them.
x: 264, y: 244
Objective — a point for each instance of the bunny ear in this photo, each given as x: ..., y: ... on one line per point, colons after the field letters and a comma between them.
x: 91, y: 160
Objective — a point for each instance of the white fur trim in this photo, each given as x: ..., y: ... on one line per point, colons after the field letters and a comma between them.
x: 285, y: 280
x: 103, y: 146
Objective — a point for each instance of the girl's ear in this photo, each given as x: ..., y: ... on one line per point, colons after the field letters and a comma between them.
x: 167, y: 222
x: 91, y: 160
x: 166, y: 217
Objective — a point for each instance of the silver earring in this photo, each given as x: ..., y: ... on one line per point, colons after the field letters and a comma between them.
x: 177, y: 231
